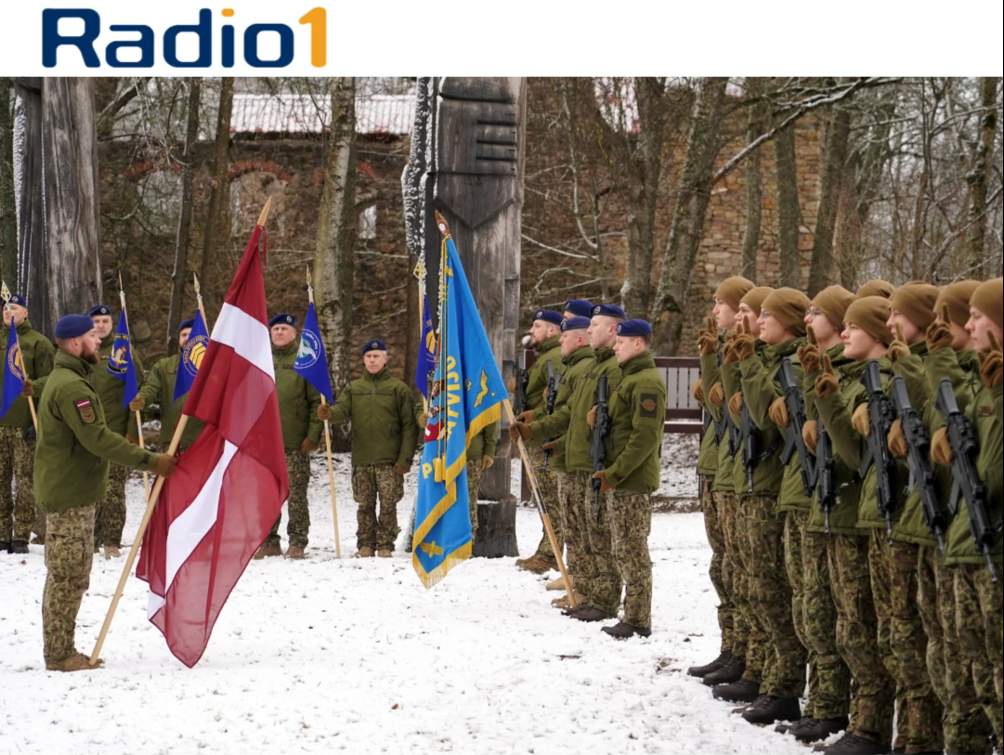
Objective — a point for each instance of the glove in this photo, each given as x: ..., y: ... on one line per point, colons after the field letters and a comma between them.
x: 324, y: 412
x: 132, y: 439
x: 400, y: 469
x: 697, y: 391
x: 859, y: 419
x: 137, y: 403
x: 895, y: 439
x: 164, y: 465
x: 939, y: 334
x: 511, y: 385
x: 604, y: 482
x: 744, y: 345
x: 26, y: 389
x: 543, y: 397
x: 519, y: 430
x: 778, y: 412
x: 809, y: 432
x: 728, y: 349
x: 707, y: 340
x: 423, y: 419
x: 526, y: 416
x: 716, y: 395
x: 992, y: 363
x: 591, y: 417
x: 808, y: 355
x: 308, y: 446
x: 486, y: 461
x: 941, y: 449
x: 552, y: 446
x: 826, y: 383
x: 736, y: 403
x: 898, y: 349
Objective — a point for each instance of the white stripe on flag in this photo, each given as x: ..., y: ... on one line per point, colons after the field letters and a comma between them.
x: 246, y: 335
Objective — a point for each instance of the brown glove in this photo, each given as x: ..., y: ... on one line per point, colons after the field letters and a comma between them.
x: 591, y: 417
x: 519, y: 430
x: 308, y: 446
x: 898, y: 349
x: 164, y: 465
x: 697, y: 391
x: 859, y: 419
x: 26, y: 388
x: 744, y: 345
x: 552, y: 446
x: 423, y: 419
x: 543, y: 397
x: 137, y: 403
x: 716, y: 395
x: 992, y: 363
x: 895, y: 439
x: 809, y: 431
x: 324, y: 412
x: 400, y: 469
x: 132, y: 439
x: 941, y: 449
x: 736, y: 403
x: 729, y: 350
x: 511, y: 385
x: 827, y: 383
x: 808, y: 355
x: 939, y: 334
x: 778, y: 412
x: 486, y: 461
x: 707, y: 340
x: 604, y: 482
x: 526, y: 416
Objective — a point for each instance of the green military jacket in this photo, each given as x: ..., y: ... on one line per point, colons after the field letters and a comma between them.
x: 298, y: 400
x: 572, y: 368
x: 158, y: 388
x: 549, y: 349
x: 484, y: 443
x: 74, y: 444
x: 726, y: 373
x: 382, y: 412
x: 37, y: 354
x: 111, y: 390
x: 637, y: 410
x: 707, y: 456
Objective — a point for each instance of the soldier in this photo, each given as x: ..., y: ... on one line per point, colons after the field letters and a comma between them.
x: 111, y: 515
x: 158, y: 388
x: 544, y: 333
x: 71, y: 457
x: 875, y: 288
x: 17, y: 433
x: 384, y: 436
x: 480, y: 456
x: 577, y: 308
x: 299, y: 402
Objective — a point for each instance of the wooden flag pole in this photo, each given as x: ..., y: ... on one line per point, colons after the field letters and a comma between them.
x: 198, y: 299
x: 139, y: 418
x: 572, y: 601
x: 20, y: 361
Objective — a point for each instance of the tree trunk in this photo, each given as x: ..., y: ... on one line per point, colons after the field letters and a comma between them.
x: 32, y: 263
x: 217, y: 196
x: 978, y: 179
x: 413, y: 317
x: 821, y: 264
x: 687, y: 227
x: 180, y: 272
x: 755, y: 124
x: 788, y: 212
x: 8, y: 206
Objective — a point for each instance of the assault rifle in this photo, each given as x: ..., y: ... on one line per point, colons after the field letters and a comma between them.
x: 552, y: 393
x: 522, y: 380
x: 965, y: 481
x: 733, y: 433
x: 751, y: 443
x: 880, y: 419
x: 826, y: 492
x: 795, y: 406
x: 918, y: 447
x: 597, y: 451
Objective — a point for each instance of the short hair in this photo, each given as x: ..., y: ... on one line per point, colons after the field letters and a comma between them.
x: 647, y: 340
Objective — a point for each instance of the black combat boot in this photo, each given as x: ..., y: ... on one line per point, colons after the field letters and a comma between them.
x: 723, y: 658
x: 769, y: 709
x: 622, y: 631
x: 786, y: 727
x: 852, y: 744
x: 817, y: 729
x: 588, y: 613
x: 4, y: 546
x: 19, y: 546
x: 742, y: 691
x: 731, y: 672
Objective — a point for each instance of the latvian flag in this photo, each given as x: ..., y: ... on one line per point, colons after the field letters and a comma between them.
x: 228, y: 487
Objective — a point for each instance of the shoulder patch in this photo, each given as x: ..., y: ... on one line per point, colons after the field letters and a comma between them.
x: 984, y: 410
x: 647, y: 405
x: 85, y: 409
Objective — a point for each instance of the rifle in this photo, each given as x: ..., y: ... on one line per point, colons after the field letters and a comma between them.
x: 880, y: 417
x: 965, y: 481
x: 522, y: 380
x: 795, y: 405
x: 918, y: 447
x: 552, y: 393
x: 597, y: 451
x: 826, y: 493
x: 751, y: 441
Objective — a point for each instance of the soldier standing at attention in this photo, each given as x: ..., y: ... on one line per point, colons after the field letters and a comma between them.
x: 480, y: 456
x: 71, y: 460
x: 17, y: 434
x: 384, y: 436
x: 301, y: 430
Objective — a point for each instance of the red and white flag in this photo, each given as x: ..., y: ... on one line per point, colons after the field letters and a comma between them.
x: 228, y: 487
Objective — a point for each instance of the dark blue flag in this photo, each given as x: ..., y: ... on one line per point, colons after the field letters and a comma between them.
x: 310, y: 362
x: 13, y: 370
x: 426, y: 350
x: 120, y: 362
x: 191, y: 356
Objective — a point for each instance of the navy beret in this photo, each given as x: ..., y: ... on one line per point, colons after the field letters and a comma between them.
x: 579, y: 307
x: 18, y: 299
x: 633, y: 328
x: 71, y: 326
x: 574, y: 323
x: 548, y: 315
x: 99, y: 309
x: 610, y: 310
x: 186, y: 323
x: 374, y: 344
x: 282, y: 318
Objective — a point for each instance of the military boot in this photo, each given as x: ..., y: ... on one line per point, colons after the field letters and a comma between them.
x: 4, y: 546
x: 112, y: 552
x: 742, y: 691
x: 852, y: 744
x: 564, y: 602
x: 384, y: 553
x: 364, y: 552
x: 74, y: 662
x: 265, y: 550
x: 817, y: 729
x: 586, y: 612
x: 732, y: 671
x: 19, y: 546
x: 700, y: 671
x: 784, y: 728
x: 769, y: 709
x: 559, y: 583
x: 536, y: 564
x: 294, y: 552
x: 623, y: 631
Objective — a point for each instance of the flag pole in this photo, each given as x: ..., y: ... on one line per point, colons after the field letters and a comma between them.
x: 327, y: 445
x: 132, y: 354
x: 572, y: 601
x: 198, y: 299
x: 20, y: 362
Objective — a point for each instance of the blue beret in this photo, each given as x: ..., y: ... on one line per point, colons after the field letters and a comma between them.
x: 374, y: 344
x: 548, y: 315
x: 282, y: 318
x: 18, y: 299
x: 98, y: 309
x: 574, y: 323
x: 633, y: 328
x: 71, y: 326
x: 186, y: 323
x: 610, y: 310
x: 579, y: 307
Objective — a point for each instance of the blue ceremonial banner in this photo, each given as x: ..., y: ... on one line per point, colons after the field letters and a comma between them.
x: 310, y: 362
x: 469, y: 399
x: 191, y: 356
x: 120, y: 362
x: 13, y: 370
x: 426, y: 350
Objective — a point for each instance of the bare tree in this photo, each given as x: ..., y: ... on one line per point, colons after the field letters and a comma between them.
x: 979, y: 176
x: 218, y: 190
x: 756, y: 121
x: 8, y: 211
x: 821, y: 263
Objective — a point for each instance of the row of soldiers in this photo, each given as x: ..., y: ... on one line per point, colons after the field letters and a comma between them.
x: 852, y: 495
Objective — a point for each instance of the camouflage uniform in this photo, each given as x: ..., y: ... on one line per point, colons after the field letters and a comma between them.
x: 474, y: 475
x: 68, y: 560
x: 978, y: 617
x: 368, y: 481
x: 548, y: 484
x: 718, y: 570
x: 630, y: 524
x: 17, y: 461
x: 109, y: 521
x: 298, y: 527
x: 577, y: 494
x: 749, y: 637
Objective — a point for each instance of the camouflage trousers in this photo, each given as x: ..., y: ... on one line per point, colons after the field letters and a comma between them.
x: 570, y: 497
x: 857, y: 638
x: 368, y: 482
x: 17, y: 463
x: 549, y: 492
x: 601, y: 587
x: 68, y: 559
x: 298, y: 527
x: 829, y: 677
x: 978, y: 620
x: 717, y: 569
x: 733, y: 577
x: 474, y: 475
x: 880, y: 573
x: 784, y: 673
x: 965, y: 725
x: 630, y: 525
x: 739, y: 521
x: 111, y: 515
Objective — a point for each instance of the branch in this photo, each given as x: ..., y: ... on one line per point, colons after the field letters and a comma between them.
x: 558, y: 251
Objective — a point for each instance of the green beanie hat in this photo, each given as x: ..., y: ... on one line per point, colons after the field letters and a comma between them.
x: 787, y: 306
x: 916, y: 300
x: 956, y: 297
x: 732, y: 290
x: 833, y: 302
x: 871, y: 314
x: 987, y: 298
x: 875, y: 287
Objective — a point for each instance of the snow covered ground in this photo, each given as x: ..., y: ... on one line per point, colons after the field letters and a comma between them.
x: 355, y: 656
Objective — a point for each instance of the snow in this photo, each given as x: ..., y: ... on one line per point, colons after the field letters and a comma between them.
x: 329, y: 655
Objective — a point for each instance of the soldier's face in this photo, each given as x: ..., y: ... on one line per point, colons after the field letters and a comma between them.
x: 374, y: 361
x: 282, y: 334
x: 825, y: 330
x: 626, y: 347
x: 15, y: 312
x: 602, y: 331
x: 102, y: 325
x: 183, y: 337
x: 858, y: 344
x: 570, y: 340
x: 746, y: 311
x: 771, y: 331
x: 540, y: 331
x: 960, y: 336
x: 980, y: 327
x: 90, y: 343
x: 725, y: 316
x: 911, y: 332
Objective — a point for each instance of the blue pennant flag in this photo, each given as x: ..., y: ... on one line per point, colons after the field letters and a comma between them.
x: 120, y: 363
x: 426, y: 350
x: 310, y: 361
x: 13, y: 370
x: 191, y: 356
x: 472, y: 390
